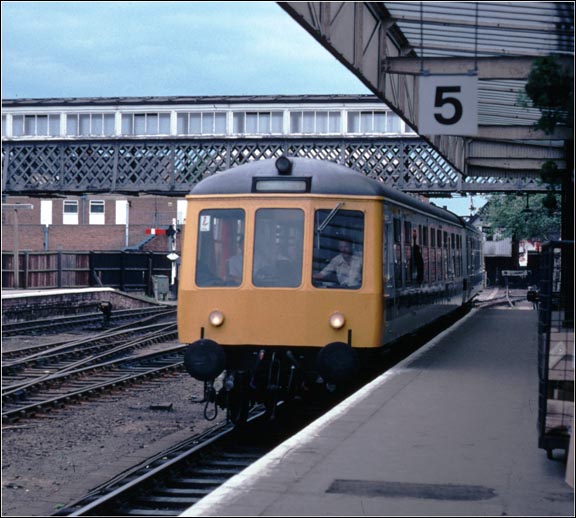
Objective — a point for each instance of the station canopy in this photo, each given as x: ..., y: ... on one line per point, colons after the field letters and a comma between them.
x: 413, y: 55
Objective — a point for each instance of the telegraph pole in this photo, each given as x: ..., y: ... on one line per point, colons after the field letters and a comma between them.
x: 16, y: 238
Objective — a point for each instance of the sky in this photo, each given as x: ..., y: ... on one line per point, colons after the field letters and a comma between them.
x: 116, y: 49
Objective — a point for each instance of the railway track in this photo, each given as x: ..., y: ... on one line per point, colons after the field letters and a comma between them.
x: 174, y: 480
x: 75, y: 381
x: 57, y: 324
x: 65, y: 355
x: 500, y: 301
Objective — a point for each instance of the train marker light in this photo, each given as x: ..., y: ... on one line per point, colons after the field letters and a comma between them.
x: 337, y: 320
x: 216, y: 318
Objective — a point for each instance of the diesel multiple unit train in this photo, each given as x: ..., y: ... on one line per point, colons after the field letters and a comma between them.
x: 294, y: 270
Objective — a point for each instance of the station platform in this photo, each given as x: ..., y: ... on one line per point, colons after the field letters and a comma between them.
x: 20, y: 305
x: 451, y: 431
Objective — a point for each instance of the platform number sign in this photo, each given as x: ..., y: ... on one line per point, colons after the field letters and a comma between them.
x: 448, y: 105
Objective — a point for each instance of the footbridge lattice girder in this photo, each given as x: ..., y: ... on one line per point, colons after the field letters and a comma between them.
x: 172, y: 167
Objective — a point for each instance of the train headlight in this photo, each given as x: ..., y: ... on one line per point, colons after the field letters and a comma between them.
x: 216, y: 318
x: 337, y: 320
x: 283, y: 165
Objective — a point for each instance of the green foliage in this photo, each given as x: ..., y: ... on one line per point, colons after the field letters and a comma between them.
x: 507, y: 213
x: 550, y: 88
x: 550, y: 173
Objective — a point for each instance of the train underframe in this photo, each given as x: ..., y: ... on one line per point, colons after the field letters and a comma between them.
x: 238, y: 377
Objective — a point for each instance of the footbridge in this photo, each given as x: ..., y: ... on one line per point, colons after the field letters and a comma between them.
x: 165, y: 145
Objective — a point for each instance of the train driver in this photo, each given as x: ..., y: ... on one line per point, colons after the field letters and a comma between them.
x: 346, y: 265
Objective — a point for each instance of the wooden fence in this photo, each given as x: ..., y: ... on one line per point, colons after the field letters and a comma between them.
x: 127, y: 271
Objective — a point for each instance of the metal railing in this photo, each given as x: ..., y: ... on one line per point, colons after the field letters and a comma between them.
x: 556, y: 346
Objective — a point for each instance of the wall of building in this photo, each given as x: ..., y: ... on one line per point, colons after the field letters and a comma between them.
x: 26, y: 228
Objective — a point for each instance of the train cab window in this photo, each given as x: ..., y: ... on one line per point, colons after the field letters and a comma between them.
x: 278, y: 245
x: 338, y: 248
x: 220, y: 256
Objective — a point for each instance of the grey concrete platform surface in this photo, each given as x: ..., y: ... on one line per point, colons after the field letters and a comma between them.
x: 451, y: 431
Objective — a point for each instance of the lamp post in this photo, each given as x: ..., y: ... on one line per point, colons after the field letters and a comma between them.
x: 17, y: 206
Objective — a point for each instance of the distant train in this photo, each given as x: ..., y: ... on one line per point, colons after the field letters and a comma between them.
x: 293, y: 270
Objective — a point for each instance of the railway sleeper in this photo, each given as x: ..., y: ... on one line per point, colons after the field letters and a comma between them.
x: 224, y: 464
x: 218, y: 472
x: 167, y: 500
x: 197, y: 482
x: 182, y: 491
x: 152, y: 512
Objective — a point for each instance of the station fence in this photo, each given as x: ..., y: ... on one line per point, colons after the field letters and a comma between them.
x: 556, y: 346
x: 123, y: 270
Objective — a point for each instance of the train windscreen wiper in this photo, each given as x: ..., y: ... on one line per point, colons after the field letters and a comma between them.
x: 330, y: 217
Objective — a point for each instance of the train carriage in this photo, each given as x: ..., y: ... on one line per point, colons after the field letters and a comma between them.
x: 294, y: 268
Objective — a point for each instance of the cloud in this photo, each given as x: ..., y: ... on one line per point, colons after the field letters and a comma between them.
x: 78, y: 49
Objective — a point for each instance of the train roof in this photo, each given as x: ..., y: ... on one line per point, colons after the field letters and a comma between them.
x: 321, y: 177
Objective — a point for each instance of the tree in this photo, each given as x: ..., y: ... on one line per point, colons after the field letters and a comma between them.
x: 508, y: 213
x: 550, y: 88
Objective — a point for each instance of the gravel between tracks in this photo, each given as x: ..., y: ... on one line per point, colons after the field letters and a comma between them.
x: 51, y: 461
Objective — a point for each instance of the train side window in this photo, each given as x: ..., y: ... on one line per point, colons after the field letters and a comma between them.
x: 407, y: 232
x: 397, y: 231
x: 389, y: 256
x: 433, y: 266
x: 278, y: 245
x: 408, y: 266
x: 338, y: 249
x: 439, y: 260
x: 425, y: 252
x: 220, y: 256
x: 397, y: 252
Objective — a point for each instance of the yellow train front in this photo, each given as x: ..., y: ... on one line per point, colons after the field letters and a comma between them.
x: 282, y: 279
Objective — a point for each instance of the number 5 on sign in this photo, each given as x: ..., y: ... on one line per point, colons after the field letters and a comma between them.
x: 448, y: 105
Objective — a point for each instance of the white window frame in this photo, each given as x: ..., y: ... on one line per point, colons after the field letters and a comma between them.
x: 152, y: 122
x: 309, y: 122
x: 46, y: 212
x: 265, y: 122
x: 97, y: 217
x: 32, y: 125
x: 122, y: 207
x: 69, y: 217
x: 99, y: 124
x: 181, y: 207
x: 367, y: 122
